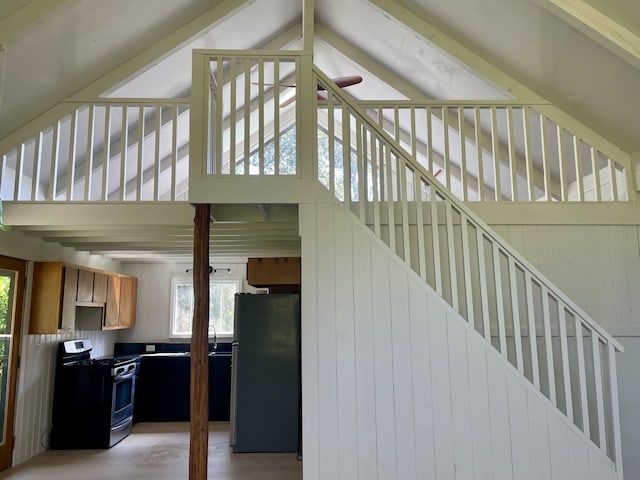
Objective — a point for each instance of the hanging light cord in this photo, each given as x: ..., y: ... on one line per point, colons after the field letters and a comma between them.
x: 4, y: 70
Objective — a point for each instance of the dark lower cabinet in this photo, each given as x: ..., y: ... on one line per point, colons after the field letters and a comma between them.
x: 162, y: 391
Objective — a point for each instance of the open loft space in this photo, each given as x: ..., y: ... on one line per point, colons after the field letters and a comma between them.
x: 479, y: 131
x: 429, y: 208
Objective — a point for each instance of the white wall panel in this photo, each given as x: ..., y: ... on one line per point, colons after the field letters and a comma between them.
x: 384, y: 391
x: 460, y: 399
x: 345, y: 350
x: 629, y: 393
x: 597, y: 266
x: 309, y: 344
x: 327, y: 353
x: 538, y: 436
x: 499, y: 413
x: 365, y: 359
x: 154, y: 296
x: 579, y: 457
x: 400, y: 344
x: 423, y: 412
x: 481, y: 422
x: 519, y: 429
x: 441, y: 390
x: 430, y: 398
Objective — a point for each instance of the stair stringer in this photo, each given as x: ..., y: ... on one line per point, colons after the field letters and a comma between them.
x: 396, y: 385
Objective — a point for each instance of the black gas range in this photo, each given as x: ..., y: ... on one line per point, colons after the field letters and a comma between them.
x: 92, y: 398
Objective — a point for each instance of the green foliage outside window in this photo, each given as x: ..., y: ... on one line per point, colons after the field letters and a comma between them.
x: 5, y: 287
x: 287, y: 161
x: 5, y: 342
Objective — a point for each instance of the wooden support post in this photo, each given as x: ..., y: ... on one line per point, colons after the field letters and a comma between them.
x: 198, y: 448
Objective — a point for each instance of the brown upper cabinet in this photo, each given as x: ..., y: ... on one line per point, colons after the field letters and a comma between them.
x: 122, y: 293
x: 263, y: 272
x: 92, y: 287
x: 58, y: 289
x: 52, y: 307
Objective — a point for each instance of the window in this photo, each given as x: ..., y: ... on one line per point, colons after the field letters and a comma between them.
x: 221, y: 303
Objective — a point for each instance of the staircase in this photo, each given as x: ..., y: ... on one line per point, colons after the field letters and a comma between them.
x: 536, y: 334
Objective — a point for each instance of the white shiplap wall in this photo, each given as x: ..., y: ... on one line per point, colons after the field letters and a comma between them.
x: 597, y: 266
x: 154, y: 296
x: 397, y: 386
x: 629, y: 393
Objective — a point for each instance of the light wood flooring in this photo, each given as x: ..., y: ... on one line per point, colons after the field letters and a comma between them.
x: 158, y: 451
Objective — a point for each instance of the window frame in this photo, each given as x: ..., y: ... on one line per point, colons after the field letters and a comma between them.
x: 189, y: 280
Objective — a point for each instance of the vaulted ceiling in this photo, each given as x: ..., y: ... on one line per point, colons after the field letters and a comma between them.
x: 582, y: 55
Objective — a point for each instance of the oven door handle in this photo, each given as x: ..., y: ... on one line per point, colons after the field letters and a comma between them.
x: 125, y: 376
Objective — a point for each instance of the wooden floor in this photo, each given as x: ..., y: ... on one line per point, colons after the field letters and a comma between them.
x: 158, y: 451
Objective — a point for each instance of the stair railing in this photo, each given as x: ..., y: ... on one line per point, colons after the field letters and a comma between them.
x: 104, y: 150
x: 549, y: 339
x: 502, y: 151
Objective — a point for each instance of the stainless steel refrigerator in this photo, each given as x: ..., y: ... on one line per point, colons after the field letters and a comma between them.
x: 265, y: 388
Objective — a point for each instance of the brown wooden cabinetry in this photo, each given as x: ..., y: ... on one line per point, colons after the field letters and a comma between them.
x: 263, y: 272
x: 122, y: 294
x: 113, y: 302
x: 53, y: 298
x: 58, y: 289
x: 92, y: 287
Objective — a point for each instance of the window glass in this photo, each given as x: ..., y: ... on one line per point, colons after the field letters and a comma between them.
x: 221, y: 303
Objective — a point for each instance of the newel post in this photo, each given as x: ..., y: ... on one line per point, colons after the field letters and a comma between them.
x: 198, y: 447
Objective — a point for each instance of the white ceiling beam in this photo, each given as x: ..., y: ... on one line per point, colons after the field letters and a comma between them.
x: 597, y: 26
x: 27, y: 15
x: 415, y: 21
x: 95, y: 230
x: 308, y: 24
x: 134, y: 66
x: 101, y: 214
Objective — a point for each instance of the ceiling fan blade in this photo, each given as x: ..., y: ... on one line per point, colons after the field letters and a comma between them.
x: 343, y: 82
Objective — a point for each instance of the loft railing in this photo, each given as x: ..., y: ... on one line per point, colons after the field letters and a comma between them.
x: 502, y: 151
x: 251, y: 110
x: 104, y: 150
x: 251, y: 102
x: 549, y: 339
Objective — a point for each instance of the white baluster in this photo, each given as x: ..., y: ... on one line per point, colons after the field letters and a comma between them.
x: 124, y: 148
x: 106, y: 153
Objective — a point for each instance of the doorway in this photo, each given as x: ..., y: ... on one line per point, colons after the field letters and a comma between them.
x: 12, y: 278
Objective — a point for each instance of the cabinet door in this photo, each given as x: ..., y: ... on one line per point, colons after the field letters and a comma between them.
x: 68, y: 316
x: 46, y: 297
x: 85, y: 286
x: 100, y: 281
x: 128, y: 302
x: 273, y: 271
x: 111, y: 318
